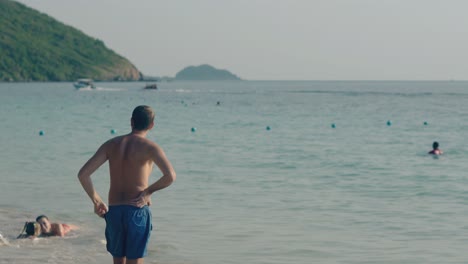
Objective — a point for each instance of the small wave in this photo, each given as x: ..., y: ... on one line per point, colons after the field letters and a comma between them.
x: 379, y: 93
x: 183, y: 91
x: 85, y: 89
x: 361, y: 93
x: 3, y: 241
x: 106, y: 89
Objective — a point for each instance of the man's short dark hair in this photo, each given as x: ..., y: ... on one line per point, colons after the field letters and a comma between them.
x: 40, y: 217
x: 142, y: 117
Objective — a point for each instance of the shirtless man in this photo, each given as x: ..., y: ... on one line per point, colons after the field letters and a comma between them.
x: 131, y: 158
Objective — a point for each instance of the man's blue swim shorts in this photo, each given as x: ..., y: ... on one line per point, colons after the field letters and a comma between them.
x: 128, y: 229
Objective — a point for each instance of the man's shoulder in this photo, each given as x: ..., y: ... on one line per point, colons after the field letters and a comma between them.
x: 114, y: 140
x: 131, y: 140
x: 142, y: 142
x: 149, y: 143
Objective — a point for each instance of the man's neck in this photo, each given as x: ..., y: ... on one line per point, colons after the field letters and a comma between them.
x: 140, y: 133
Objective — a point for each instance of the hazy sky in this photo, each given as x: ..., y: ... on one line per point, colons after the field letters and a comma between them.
x: 280, y: 39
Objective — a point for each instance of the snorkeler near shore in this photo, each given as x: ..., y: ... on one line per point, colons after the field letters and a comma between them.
x: 44, y: 228
x: 53, y: 229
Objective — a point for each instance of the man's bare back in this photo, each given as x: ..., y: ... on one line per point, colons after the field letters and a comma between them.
x: 130, y: 165
x: 131, y: 159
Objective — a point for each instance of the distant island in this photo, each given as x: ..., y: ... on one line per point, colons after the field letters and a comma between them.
x: 205, y: 72
x: 36, y: 47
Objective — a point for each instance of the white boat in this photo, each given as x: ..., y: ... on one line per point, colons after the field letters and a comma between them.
x: 84, y: 84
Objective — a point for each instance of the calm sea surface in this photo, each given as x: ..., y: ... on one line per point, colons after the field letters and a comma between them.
x: 299, y: 192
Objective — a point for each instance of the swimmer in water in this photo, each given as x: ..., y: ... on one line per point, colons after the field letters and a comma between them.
x: 53, y: 229
x: 30, y: 230
x: 435, y: 149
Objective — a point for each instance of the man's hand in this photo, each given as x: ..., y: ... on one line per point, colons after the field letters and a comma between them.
x: 100, y: 209
x: 143, y: 199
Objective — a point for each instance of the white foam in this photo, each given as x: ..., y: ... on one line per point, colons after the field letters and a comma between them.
x: 109, y: 89
x: 4, y: 241
x: 183, y: 91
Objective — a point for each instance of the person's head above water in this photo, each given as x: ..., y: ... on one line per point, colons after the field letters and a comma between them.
x: 44, y: 223
x: 142, y: 118
x: 31, y: 229
x: 435, y: 149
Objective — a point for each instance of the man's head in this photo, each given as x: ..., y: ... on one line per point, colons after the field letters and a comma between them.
x: 142, y: 118
x: 44, y: 223
x: 435, y: 145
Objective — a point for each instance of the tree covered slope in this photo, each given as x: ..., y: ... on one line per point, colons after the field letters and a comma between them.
x: 36, y: 47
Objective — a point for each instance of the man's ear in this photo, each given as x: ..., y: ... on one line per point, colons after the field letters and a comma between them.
x: 151, y: 126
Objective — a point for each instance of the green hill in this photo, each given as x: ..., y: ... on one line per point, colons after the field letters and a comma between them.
x: 36, y: 47
x: 204, y: 72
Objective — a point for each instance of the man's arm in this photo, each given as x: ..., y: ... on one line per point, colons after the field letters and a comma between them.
x: 84, y: 175
x: 165, y: 166
x: 58, y: 230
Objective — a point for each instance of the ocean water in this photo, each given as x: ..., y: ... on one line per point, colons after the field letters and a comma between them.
x: 300, y: 192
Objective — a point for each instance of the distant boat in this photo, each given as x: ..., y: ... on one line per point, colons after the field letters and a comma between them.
x: 151, y: 86
x: 84, y: 84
